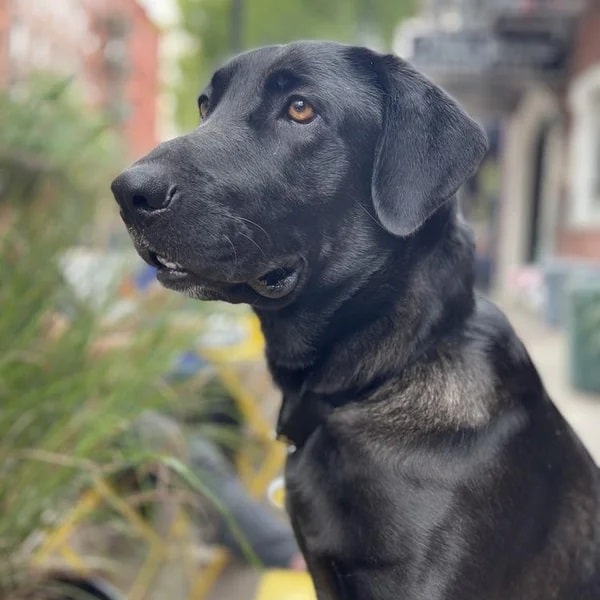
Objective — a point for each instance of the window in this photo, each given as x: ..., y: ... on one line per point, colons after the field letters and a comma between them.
x: 584, y: 99
x: 595, y: 109
x: 19, y: 42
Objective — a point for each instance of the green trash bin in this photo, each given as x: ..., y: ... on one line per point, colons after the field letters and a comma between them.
x: 584, y: 335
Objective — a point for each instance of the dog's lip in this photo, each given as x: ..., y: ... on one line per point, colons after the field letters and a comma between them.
x: 168, y: 264
x: 161, y: 262
x: 276, y: 282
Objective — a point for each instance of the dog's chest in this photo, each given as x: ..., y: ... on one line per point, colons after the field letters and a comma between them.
x: 346, y: 501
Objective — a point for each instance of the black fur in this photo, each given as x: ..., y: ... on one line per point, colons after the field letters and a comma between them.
x: 429, y: 462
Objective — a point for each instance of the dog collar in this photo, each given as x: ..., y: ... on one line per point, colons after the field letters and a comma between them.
x: 298, y: 418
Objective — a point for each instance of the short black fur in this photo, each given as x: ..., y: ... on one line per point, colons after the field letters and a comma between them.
x: 429, y: 462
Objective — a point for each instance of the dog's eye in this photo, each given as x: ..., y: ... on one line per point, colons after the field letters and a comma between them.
x: 300, y: 110
x: 203, y: 107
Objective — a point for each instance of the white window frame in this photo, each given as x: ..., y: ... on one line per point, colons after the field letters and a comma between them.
x: 584, y: 102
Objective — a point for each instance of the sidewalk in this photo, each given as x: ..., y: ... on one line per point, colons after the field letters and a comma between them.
x: 548, y: 349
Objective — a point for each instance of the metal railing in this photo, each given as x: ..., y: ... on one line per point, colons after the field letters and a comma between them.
x: 171, y: 540
x: 477, y: 7
x: 460, y: 14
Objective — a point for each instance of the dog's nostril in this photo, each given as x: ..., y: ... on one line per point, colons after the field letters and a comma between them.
x: 150, y: 203
x: 170, y: 195
x: 143, y: 188
x: 139, y: 201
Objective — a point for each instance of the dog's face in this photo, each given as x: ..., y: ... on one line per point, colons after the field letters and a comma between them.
x: 305, y: 155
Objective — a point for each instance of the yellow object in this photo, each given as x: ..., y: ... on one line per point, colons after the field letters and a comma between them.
x: 256, y: 475
x: 251, y: 347
x: 285, y: 585
x: 276, y: 493
x: 206, y: 578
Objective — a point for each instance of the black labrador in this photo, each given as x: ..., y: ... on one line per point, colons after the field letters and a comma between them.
x: 426, y: 460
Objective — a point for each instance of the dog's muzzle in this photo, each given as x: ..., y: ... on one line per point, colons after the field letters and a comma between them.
x: 143, y: 192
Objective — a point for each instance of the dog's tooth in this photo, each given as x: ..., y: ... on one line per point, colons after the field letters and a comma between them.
x: 167, y: 263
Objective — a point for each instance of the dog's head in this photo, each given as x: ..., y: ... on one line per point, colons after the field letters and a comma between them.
x: 305, y: 154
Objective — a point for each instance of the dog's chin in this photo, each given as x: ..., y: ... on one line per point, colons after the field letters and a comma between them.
x: 275, y: 288
x: 186, y: 283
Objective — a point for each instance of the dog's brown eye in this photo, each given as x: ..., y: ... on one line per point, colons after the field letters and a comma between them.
x: 300, y: 111
x: 203, y: 107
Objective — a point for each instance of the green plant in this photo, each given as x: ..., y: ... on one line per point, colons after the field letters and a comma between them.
x: 65, y: 393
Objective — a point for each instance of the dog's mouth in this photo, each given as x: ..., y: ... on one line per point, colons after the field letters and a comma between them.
x: 279, y: 282
x: 162, y: 262
x: 275, y: 283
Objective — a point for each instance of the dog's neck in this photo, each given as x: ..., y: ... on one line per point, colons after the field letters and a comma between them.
x: 412, y: 296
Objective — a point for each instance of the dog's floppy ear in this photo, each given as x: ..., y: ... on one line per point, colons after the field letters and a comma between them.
x: 427, y: 147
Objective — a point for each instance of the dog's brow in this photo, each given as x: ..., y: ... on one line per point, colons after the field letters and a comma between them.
x: 220, y: 79
x: 282, y: 80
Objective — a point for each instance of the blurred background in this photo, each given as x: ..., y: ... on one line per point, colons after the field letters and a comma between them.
x: 136, y: 456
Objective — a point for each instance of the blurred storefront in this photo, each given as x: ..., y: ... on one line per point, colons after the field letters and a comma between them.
x: 529, y: 70
x: 109, y: 47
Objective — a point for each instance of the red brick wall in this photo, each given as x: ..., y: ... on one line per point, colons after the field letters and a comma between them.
x: 587, y: 40
x: 4, y: 24
x: 143, y: 87
x: 580, y: 243
x: 139, y: 90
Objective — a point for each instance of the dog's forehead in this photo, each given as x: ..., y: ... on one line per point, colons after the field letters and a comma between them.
x: 312, y: 61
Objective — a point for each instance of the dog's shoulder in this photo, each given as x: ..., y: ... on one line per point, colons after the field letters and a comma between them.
x: 464, y: 381
x: 482, y: 367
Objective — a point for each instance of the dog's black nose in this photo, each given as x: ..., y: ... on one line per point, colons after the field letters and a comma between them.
x: 142, y: 188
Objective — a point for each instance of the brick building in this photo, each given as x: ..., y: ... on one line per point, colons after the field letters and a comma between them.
x: 530, y: 71
x: 33, y: 37
x: 582, y: 106
x: 125, y: 70
x: 110, y: 47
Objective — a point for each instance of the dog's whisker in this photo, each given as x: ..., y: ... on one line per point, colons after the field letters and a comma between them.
x: 235, y: 256
x: 254, y: 242
x: 254, y: 224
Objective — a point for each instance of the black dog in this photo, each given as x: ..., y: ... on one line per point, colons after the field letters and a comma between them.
x: 427, y: 460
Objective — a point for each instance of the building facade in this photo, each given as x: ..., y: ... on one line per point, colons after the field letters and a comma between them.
x: 125, y: 69
x: 581, y: 236
x: 109, y: 47
x: 34, y: 36
x: 529, y: 70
